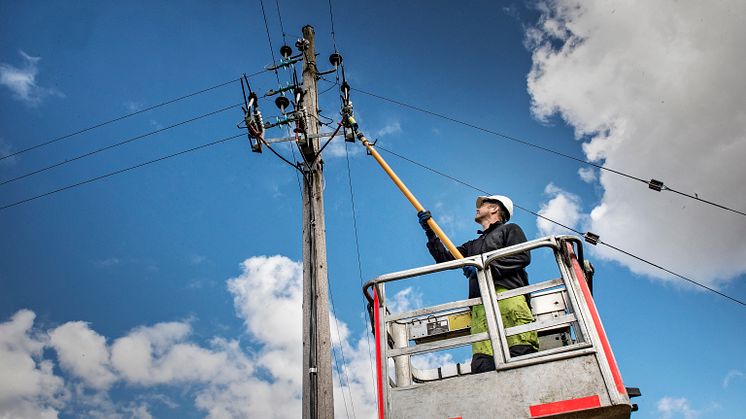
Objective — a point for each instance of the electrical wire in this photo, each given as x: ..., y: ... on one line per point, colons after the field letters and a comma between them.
x: 119, y: 118
x: 117, y: 172
x: 119, y: 144
x: 609, y: 245
x: 269, y: 40
x: 279, y: 15
x: 344, y: 361
x: 546, y: 149
x: 331, y: 19
x: 269, y: 146
x: 330, y: 88
x: 368, y: 326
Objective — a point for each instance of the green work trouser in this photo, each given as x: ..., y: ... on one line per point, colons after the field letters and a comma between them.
x: 514, y: 311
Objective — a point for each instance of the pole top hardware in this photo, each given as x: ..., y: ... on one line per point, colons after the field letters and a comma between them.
x: 252, y: 117
x: 284, y: 62
x: 302, y: 44
x: 282, y: 89
x: 282, y: 103
x: 286, y: 51
x: 298, y: 95
x: 335, y: 59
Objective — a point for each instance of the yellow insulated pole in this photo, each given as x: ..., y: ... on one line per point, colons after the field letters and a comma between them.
x: 431, y: 222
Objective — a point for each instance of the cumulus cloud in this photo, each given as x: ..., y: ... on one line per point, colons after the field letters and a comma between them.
x: 224, y: 378
x: 83, y: 352
x: 670, y: 407
x: 28, y: 385
x: 272, y: 285
x: 562, y: 207
x: 22, y: 81
x: 405, y: 300
x: 587, y: 174
x: 655, y: 89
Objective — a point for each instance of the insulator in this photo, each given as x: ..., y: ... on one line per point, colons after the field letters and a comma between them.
x: 345, y: 91
x: 335, y: 59
x: 286, y: 51
x: 298, y: 93
x: 282, y: 103
x: 259, y: 121
x: 302, y: 44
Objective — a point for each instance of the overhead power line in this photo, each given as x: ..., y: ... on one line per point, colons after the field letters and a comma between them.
x: 331, y: 19
x: 269, y: 40
x: 344, y: 362
x: 117, y: 172
x: 119, y: 118
x: 121, y: 143
x: 609, y: 245
x: 279, y: 15
x: 359, y: 262
x: 652, y: 184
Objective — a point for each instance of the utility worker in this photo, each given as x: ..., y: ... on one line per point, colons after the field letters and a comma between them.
x: 493, y: 212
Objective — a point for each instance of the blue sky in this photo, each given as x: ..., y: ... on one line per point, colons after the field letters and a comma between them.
x: 179, y: 280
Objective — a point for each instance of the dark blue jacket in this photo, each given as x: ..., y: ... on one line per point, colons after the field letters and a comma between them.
x: 508, y: 272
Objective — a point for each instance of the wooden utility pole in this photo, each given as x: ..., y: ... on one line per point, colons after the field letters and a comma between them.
x: 318, y: 399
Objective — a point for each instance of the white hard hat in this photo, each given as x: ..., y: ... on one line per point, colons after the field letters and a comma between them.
x: 506, y: 202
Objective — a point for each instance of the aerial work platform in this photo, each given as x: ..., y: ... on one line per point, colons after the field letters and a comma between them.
x: 574, y: 374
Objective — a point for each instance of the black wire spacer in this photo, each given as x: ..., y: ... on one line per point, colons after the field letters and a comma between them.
x: 655, y: 185
x: 591, y: 238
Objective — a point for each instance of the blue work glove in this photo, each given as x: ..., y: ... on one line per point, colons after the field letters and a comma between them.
x: 423, y: 216
x: 470, y: 272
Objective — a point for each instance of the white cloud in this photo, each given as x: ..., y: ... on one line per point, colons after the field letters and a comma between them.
x: 197, y: 259
x: 83, y: 352
x: 732, y: 374
x: 390, y: 128
x: 22, y: 81
x: 562, y: 207
x: 340, y: 148
x: 224, y: 378
x: 107, y: 263
x: 28, y: 386
x: 405, y: 300
x: 670, y: 407
x: 133, y: 106
x: 587, y: 174
x: 654, y: 89
x: 266, y: 287
x: 7, y: 149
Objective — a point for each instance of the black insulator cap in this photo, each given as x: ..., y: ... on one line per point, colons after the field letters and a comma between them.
x: 335, y: 59
x: 282, y: 102
x: 286, y: 51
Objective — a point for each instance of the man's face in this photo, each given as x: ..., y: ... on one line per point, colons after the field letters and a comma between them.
x: 484, y: 211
